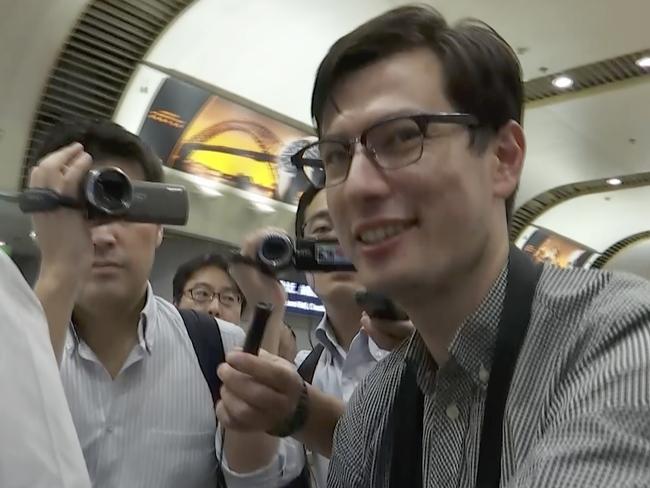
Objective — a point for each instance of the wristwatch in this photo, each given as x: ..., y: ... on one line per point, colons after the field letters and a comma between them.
x: 295, y: 422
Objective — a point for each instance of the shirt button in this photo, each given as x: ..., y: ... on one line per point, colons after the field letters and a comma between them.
x: 483, y: 375
x: 452, y: 411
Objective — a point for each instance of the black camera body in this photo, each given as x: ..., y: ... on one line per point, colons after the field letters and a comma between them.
x: 277, y: 251
x: 108, y: 193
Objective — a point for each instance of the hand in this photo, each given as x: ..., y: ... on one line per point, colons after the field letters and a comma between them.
x: 254, y: 284
x: 387, y: 334
x: 258, y: 392
x: 63, y: 234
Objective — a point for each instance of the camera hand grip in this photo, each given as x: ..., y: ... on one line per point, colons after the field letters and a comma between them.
x: 44, y: 200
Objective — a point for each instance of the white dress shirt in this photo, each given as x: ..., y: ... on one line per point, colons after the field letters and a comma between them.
x: 38, y: 443
x: 154, y: 424
x: 337, y: 373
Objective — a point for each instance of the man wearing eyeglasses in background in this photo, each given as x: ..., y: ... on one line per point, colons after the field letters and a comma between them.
x: 518, y: 375
x: 204, y: 284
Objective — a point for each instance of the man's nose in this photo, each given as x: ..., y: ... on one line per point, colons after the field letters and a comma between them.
x: 215, y: 308
x: 365, y: 178
x: 102, y: 235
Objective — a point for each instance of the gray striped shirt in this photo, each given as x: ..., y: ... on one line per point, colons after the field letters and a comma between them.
x: 153, y: 425
x: 578, y: 410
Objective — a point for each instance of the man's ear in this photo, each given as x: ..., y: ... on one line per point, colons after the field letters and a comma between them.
x: 510, y: 150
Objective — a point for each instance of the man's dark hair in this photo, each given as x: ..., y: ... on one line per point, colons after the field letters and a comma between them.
x: 305, y: 199
x: 186, y: 270
x: 104, y: 140
x: 481, y: 72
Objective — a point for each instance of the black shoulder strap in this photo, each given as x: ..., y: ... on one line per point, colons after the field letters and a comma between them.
x: 205, y: 335
x: 406, y: 432
x: 306, y: 370
x: 406, y: 468
x: 308, y: 367
x: 523, y: 276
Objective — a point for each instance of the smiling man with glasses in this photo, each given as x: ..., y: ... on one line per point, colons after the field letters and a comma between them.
x: 518, y: 375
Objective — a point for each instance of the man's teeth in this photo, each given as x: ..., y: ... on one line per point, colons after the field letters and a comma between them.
x: 374, y: 236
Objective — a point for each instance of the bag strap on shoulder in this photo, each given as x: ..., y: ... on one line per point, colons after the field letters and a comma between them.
x: 206, y: 339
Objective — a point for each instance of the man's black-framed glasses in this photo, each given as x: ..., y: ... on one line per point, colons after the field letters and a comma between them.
x: 202, y: 295
x: 393, y: 143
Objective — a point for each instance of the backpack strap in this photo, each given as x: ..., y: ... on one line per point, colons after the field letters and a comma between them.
x: 306, y: 370
x: 205, y: 335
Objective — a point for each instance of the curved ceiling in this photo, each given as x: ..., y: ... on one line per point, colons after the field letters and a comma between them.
x: 633, y: 260
x: 31, y: 35
x: 267, y: 52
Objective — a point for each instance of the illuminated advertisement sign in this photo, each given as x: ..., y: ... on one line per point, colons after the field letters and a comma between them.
x: 197, y: 132
x: 545, y: 246
x: 302, y: 300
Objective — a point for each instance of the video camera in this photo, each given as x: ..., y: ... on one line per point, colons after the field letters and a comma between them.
x: 278, y: 251
x: 108, y: 193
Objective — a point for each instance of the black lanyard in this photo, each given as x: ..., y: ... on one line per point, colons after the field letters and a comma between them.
x: 406, y: 459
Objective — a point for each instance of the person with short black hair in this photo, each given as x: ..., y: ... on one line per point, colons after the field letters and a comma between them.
x: 518, y: 375
x: 204, y: 284
x: 103, y: 140
x: 141, y: 398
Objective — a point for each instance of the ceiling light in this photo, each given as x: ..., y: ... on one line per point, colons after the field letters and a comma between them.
x: 562, y: 82
x: 32, y: 234
x: 614, y: 181
x: 643, y: 62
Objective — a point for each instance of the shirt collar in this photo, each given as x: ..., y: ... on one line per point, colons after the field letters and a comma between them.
x: 146, y: 325
x: 324, y: 334
x: 472, y: 348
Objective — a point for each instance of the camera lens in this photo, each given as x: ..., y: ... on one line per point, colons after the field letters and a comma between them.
x: 276, y: 251
x: 109, y: 191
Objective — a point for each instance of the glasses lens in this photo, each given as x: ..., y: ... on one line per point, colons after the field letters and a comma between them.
x: 336, y: 161
x: 201, y: 295
x: 315, y: 175
x: 312, y: 166
x: 229, y: 299
x: 395, y: 143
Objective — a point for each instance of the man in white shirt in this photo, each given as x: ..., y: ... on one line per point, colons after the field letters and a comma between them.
x: 38, y: 444
x: 141, y: 405
x: 344, y: 355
